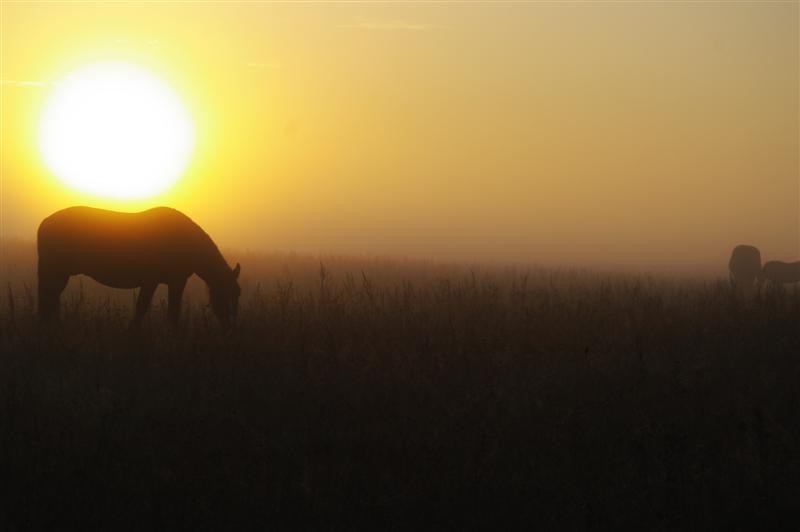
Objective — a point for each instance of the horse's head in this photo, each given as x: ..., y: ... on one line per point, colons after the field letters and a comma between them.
x: 225, y: 295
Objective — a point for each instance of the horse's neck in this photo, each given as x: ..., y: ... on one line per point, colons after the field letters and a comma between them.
x: 211, y: 266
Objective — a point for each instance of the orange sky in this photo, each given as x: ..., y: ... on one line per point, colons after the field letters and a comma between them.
x: 605, y: 133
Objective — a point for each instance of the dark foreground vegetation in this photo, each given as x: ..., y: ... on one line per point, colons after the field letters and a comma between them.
x: 390, y: 395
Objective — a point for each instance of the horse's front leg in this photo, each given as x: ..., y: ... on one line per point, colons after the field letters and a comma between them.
x: 174, y: 300
x: 143, y: 302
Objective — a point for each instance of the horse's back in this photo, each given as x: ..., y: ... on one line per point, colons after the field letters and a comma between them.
x: 88, y: 222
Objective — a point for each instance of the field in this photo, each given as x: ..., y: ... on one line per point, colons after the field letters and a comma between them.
x: 366, y: 393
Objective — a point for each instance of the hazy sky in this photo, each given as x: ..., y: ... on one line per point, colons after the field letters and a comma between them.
x: 612, y: 133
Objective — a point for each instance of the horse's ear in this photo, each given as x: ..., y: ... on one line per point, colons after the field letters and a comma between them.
x: 237, y: 270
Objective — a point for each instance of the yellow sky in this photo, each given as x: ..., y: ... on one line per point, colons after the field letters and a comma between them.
x: 604, y: 133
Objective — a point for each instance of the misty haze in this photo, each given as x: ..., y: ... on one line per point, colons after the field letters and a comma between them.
x: 401, y: 266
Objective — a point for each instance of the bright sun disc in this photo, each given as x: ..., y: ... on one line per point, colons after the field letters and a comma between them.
x: 116, y: 130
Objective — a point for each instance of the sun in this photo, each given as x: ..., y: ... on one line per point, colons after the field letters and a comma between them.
x: 116, y: 130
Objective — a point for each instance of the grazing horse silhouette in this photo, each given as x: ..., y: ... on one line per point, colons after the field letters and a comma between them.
x: 129, y: 250
x: 745, y: 267
x: 778, y: 273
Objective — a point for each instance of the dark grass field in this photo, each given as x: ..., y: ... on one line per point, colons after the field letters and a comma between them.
x: 372, y: 394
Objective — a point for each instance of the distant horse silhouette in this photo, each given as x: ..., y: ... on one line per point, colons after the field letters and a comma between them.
x: 129, y: 250
x: 778, y: 273
x: 745, y: 267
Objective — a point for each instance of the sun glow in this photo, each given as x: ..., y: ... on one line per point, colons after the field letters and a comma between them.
x: 116, y: 130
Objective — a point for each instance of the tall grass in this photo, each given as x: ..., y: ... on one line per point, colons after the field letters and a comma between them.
x: 365, y: 393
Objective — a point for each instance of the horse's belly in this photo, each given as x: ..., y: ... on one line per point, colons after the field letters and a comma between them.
x: 131, y: 273
x: 118, y: 264
x: 119, y: 282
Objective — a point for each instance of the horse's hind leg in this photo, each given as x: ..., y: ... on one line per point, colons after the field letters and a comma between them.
x: 175, y: 297
x: 50, y: 287
x: 143, y: 302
